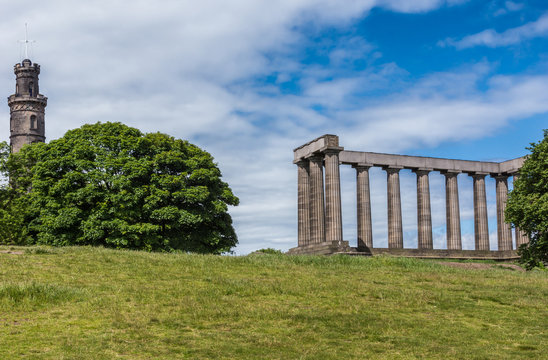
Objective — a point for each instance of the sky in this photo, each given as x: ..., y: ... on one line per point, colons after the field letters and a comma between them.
x: 250, y: 80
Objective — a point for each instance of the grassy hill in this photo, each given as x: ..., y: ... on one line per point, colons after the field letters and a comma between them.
x: 90, y: 303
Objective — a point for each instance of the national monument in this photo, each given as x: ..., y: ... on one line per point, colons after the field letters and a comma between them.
x: 319, y: 202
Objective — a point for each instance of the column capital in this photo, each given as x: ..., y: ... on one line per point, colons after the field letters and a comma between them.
x: 478, y: 175
x: 332, y: 150
x: 422, y: 171
x: 362, y: 166
x: 391, y: 169
x: 500, y: 176
x: 450, y: 173
x: 302, y: 162
x: 315, y: 157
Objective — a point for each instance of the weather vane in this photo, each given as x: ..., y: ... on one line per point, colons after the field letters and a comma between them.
x: 26, y: 41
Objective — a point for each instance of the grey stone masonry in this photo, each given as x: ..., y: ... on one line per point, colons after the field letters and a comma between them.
x: 333, y: 212
x: 27, y: 107
x: 320, y: 210
x: 365, y: 228
x: 317, y: 208
x: 424, y: 214
x: 504, y: 231
x: 521, y: 236
x: 419, y: 162
x: 304, y: 203
x: 395, y: 228
x: 481, y: 227
x: 452, y: 211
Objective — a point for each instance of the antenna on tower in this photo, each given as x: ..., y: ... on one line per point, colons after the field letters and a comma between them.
x: 26, y: 41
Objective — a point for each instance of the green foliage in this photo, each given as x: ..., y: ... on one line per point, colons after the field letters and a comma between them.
x: 109, y: 184
x: 527, y: 206
x: 270, y: 251
x: 12, y: 205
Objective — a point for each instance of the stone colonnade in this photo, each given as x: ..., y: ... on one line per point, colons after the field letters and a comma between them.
x: 320, y: 216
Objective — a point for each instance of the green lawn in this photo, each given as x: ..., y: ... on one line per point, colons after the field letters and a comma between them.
x: 92, y: 303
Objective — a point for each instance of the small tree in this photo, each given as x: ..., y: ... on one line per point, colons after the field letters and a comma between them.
x: 109, y: 184
x: 527, y: 206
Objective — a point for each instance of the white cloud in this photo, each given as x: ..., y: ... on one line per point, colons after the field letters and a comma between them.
x: 415, y: 6
x: 492, y: 38
x: 509, y: 6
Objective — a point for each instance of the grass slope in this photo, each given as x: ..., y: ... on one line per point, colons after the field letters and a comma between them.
x: 90, y: 303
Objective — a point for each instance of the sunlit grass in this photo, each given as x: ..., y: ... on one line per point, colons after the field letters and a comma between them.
x: 93, y: 303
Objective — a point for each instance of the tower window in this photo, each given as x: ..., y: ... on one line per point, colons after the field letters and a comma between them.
x: 16, y: 89
x: 33, y: 122
x: 31, y: 87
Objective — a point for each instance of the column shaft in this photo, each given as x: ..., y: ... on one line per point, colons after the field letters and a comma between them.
x: 521, y: 236
x: 333, y: 212
x: 452, y: 211
x: 395, y: 229
x: 365, y: 229
x: 303, y: 196
x: 424, y: 214
x: 504, y: 230
x: 481, y: 227
x: 317, y: 212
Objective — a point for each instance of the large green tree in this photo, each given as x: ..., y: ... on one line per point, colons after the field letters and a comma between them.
x: 109, y: 184
x: 527, y: 206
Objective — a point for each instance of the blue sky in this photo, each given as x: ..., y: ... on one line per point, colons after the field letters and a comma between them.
x: 249, y: 80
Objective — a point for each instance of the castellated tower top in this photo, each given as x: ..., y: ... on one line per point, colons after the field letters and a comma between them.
x: 26, y: 78
x: 27, y: 107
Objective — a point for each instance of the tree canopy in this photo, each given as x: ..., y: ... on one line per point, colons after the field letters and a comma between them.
x: 109, y: 184
x: 527, y: 206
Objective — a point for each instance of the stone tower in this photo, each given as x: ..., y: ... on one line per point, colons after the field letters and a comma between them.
x: 27, y: 107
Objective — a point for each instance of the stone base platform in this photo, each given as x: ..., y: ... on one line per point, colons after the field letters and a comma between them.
x: 325, y: 248
x: 343, y: 248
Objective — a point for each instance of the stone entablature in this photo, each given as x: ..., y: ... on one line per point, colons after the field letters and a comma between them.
x: 405, y: 161
x: 319, y: 201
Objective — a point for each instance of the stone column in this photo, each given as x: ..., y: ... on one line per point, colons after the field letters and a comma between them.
x: 452, y: 211
x: 333, y: 212
x: 481, y: 227
x: 504, y: 231
x: 317, y: 212
x: 521, y: 236
x: 365, y: 228
x: 395, y: 228
x: 424, y: 214
x: 303, y: 203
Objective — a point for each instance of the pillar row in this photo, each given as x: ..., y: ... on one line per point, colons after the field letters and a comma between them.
x: 303, y: 196
x: 317, y: 212
x: 333, y: 212
x: 452, y: 211
x: 481, y: 227
x: 504, y: 230
x: 365, y: 228
x: 395, y: 228
x: 424, y: 213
